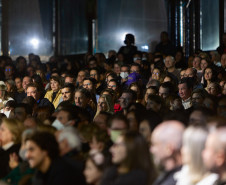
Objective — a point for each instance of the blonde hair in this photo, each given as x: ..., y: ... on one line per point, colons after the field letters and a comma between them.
x: 194, y: 139
x: 15, y: 127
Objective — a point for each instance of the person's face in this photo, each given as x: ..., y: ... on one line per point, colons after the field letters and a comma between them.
x: 87, y: 84
x: 208, y: 103
x: 118, y: 125
x: 30, y: 71
x: 178, y: 56
x: 163, y: 92
x: 209, y: 154
x: 125, y: 69
x: 125, y: 100
x: 55, y: 86
x: 196, y: 63
x: 34, y: 154
x: 118, y: 151
x: 134, y: 69
x: 32, y: 91
x: 117, y: 69
x: 92, y: 64
x: 109, y: 77
x: 158, y: 149
x: 101, y: 121
x: 211, y: 88
x: 112, y: 85
x: 62, y: 116
x: 224, y: 89
x: 167, y: 79
x: 156, y: 74
x: 182, y: 74
x: 203, y: 64
x: 148, y: 92
x: 81, y: 76
x: 153, y: 105
x: 80, y: 100
x: 5, y: 135
x: 102, y: 105
x: 145, y: 130
x: 26, y: 81
x: 133, y: 124
x: 91, y: 173
x: 208, y: 74
x: 134, y: 88
x: 196, y: 117
x: 8, y: 71
x: 96, y: 145
x: 18, y: 83
x: 20, y: 113
x: 189, y: 73
x: 176, y: 104
x: 184, y: 92
x: 221, y: 109
x: 66, y: 94
x: 223, y: 60
x: 197, y: 99
x: 68, y: 80
x: 93, y: 74
x: 169, y: 63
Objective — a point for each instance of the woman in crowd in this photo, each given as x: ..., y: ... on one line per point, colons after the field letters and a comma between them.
x: 105, y: 104
x: 135, y: 86
x: 132, y: 162
x: 94, y: 168
x: 193, y: 171
x: 4, y: 96
x: 54, y: 94
x: 10, y: 139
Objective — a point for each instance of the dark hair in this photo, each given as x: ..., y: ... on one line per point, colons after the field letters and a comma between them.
x: 169, y: 86
x: 188, y: 81
x: 130, y: 39
x: 118, y: 117
x: 138, y: 156
x: 47, y: 142
x: 70, y: 86
x: 25, y: 106
x: 133, y: 94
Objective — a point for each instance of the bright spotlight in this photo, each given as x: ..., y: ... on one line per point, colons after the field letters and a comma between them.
x: 35, y: 43
x: 145, y: 47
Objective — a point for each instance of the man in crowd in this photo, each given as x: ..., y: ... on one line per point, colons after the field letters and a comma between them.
x: 166, y: 145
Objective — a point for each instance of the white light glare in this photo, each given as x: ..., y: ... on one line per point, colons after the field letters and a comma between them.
x: 34, y: 42
x: 145, y: 47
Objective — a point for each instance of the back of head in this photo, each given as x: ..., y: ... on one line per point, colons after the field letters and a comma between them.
x: 170, y: 132
x: 71, y: 135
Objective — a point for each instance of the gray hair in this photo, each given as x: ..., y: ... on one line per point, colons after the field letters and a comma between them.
x: 72, y: 137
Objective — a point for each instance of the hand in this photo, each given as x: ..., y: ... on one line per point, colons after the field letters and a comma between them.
x: 13, y: 160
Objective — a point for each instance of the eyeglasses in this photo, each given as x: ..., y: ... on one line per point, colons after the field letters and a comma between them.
x: 111, y: 86
x: 155, y: 73
x: 7, y: 70
x: 85, y: 85
x: 93, y: 75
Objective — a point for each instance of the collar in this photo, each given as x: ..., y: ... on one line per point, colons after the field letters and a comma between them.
x: 7, y: 146
x: 187, y: 100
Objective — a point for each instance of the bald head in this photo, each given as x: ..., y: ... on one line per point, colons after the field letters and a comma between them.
x: 214, y: 154
x: 190, y: 72
x: 170, y: 132
x: 166, y: 143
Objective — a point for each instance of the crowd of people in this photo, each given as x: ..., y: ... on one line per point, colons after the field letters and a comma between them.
x: 129, y: 118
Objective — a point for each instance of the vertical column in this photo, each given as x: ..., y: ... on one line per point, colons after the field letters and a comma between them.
x: 5, y: 27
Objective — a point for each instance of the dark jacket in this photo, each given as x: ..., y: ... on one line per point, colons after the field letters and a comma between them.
x: 60, y: 172
x: 134, y: 177
x: 4, y: 159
